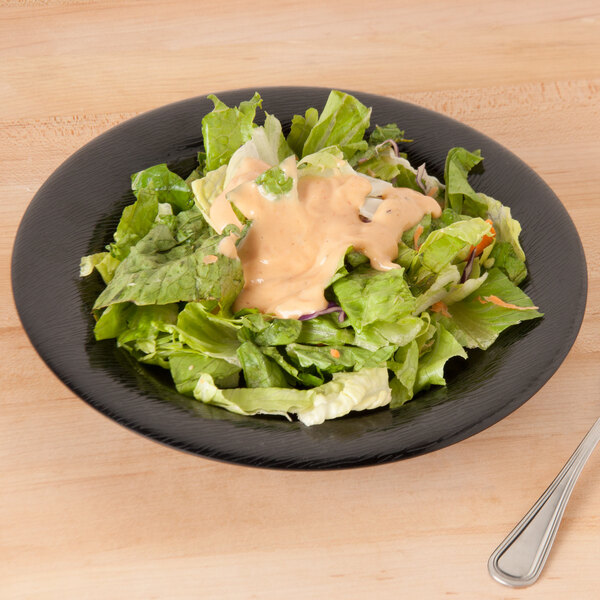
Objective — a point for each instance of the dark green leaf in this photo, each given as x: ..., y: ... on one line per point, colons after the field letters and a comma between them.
x: 260, y: 370
x: 187, y: 365
x: 382, y: 133
x: 332, y: 359
x: 505, y: 259
x: 325, y: 330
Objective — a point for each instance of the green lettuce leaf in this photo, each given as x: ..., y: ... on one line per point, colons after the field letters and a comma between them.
x: 225, y: 129
x: 476, y: 323
x: 275, y: 182
x: 252, y: 401
x: 447, y: 278
x: 209, y: 187
x: 145, y: 322
x: 161, y: 268
x: 503, y: 257
x: 187, y: 366
x: 449, y: 244
x: 507, y: 229
x: 507, y: 252
x: 404, y: 366
x: 294, y: 375
x: 460, y: 196
x: 324, y: 163
x: 210, y: 334
x: 381, y: 162
x: 325, y: 330
x: 112, y: 321
x: 431, y: 364
x: 426, y: 226
x: 346, y: 392
x: 343, y: 121
x: 357, y: 390
x: 266, y: 144
x: 383, y: 333
x: 367, y: 296
x: 383, y: 133
x: 300, y: 130
x: 167, y: 186
x: 136, y: 221
x: 270, y: 142
x: 144, y: 331
x: 264, y: 331
x: 458, y: 292
x: 148, y: 335
x: 259, y: 370
x: 382, y: 165
x: 354, y: 149
x: 103, y: 262
x: 341, y: 358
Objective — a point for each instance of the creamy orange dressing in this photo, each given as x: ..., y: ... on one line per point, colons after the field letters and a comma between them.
x: 221, y: 213
x: 295, y: 245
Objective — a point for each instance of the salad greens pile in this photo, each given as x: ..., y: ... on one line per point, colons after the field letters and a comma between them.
x: 385, y: 336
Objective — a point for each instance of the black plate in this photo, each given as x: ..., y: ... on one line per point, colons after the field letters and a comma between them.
x: 77, y: 209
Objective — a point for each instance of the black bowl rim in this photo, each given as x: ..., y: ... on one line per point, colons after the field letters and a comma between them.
x: 377, y: 456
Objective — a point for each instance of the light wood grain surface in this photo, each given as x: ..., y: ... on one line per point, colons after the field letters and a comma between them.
x: 90, y: 510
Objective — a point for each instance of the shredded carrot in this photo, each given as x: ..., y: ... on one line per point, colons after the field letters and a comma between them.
x: 335, y: 353
x: 486, y: 241
x: 427, y: 345
x: 418, y: 232
x: 441, y: 308
x: 499, y: 302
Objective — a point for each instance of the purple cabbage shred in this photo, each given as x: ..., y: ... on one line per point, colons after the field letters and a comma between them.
x: 331, y: 308
x: 468, y: 267
x: 421, y: 172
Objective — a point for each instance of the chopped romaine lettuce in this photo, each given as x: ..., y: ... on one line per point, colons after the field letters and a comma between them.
x: 383, y: 337
x: 342, y: 123
x: 167, y: 186
x: 225, y: 129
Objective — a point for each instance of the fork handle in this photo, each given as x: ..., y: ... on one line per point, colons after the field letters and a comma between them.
x: 520, y: 558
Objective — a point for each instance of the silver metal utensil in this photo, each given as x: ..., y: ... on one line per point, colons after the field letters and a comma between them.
x: 520, y: 558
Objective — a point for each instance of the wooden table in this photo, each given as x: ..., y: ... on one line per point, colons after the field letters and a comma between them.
x: 90, y: 510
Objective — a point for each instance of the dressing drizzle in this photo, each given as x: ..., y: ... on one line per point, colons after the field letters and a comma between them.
x: 295, y: 244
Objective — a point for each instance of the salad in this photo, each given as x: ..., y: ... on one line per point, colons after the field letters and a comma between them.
x: 308, y: 274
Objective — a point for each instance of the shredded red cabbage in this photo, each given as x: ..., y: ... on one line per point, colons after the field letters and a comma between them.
x: 468, y: 267
x: 331, y: 308
x: 392, y: 143
x: 421, y: 172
